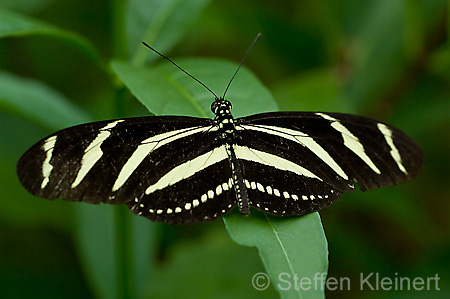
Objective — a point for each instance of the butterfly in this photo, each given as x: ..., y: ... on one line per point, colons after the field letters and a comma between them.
x: 179, y: 170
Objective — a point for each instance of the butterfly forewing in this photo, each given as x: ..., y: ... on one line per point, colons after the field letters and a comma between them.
x: 110, y: 161
x: 338, y: 148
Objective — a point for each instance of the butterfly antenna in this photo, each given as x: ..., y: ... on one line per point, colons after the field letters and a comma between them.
x: 167, y: 58
x: 242, y: 62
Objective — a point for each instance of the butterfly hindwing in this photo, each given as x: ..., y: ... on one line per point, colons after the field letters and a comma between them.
x: 278, y: 191
x: 205, y: 194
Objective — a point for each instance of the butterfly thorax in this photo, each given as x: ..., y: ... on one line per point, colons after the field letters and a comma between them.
x: 224, y: 120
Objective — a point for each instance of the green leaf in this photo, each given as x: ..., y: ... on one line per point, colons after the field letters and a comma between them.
x: 15, y: 25
x: 291, y: 249
x: 160, y: 23
x: 38, y: 103
x: 312, y: 91
x: 164, y: 89
x: 208, y: 266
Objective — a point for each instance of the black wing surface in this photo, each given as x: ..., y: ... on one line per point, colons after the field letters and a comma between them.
x: 311, y: 158
x: 118, y: 161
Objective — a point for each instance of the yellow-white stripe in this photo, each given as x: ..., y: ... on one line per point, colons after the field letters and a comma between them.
x: 387, y: 133
x: 47, y: 168
x: 303, y: 139
x: 274, y: 161
x: 189, y: 168
x: 149, y: 145
x: 93, y: 152
x: 351, y: 141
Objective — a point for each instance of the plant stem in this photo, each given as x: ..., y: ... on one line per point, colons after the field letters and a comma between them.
x: 124, y: 250
x: 123, y: 228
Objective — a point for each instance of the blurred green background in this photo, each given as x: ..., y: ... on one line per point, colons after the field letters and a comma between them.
x: 380, y: 58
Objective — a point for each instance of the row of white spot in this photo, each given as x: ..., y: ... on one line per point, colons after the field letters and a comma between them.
x: 276, y: 192
x: 195, y: 203
x: 227, y: 186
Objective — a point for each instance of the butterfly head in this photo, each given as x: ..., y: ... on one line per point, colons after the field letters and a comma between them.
x: 221, y: 107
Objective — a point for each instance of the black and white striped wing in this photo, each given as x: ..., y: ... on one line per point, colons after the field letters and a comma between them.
x: 298, y: 162
x: 148, y: 163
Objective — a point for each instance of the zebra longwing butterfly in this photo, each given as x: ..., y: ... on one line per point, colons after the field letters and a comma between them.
x: 179, y: 170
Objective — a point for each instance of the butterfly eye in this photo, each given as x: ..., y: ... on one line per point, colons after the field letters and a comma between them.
x: 228, y: 104
x: 214, y: 107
